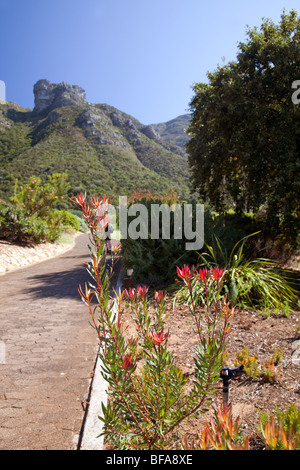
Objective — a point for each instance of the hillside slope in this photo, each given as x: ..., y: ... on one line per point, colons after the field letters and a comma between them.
x: 174, y: 131
x: 103, y: 149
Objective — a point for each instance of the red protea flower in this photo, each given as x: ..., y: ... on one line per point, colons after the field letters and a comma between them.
x: 127, y: 362
x: 159, y: 295
x: 217, y: 273
x: 159, y: 337
x: 141, y: 291
x: 202, y: 274
x: 184, y: 272
x: 97, y: 202
x: 80, y: 199
x: 130, y: 294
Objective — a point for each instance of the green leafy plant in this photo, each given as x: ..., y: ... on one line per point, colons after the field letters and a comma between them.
x: 69, y: 220
x: 252, y: 283
x: 283, y: 426
x: 222, y: 432
x: 17, y: 227
x: 154, y: 260
x: 253, y: 368
x: 282, y: 433
x: 30, y: 216
x: 148, y: 393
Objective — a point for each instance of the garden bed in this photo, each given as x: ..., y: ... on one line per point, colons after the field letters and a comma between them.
x: 262, y: 335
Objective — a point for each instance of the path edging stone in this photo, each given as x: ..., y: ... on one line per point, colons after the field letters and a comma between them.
x: 92, y: 426
x: 24, y: 257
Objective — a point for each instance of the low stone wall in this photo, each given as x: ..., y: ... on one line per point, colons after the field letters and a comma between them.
x: 14, y: 257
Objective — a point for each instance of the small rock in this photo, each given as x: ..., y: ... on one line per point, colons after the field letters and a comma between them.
x: 296, y: 357
x: 296, y: 345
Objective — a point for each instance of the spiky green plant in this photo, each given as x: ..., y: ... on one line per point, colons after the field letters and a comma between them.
x: 249, y: 283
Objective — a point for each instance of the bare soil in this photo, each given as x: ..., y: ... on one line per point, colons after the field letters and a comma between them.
x: 262, y: 336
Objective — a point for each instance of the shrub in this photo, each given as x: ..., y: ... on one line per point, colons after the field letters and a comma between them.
x: 40, y: 198
x: 30, y: 217
x: 154, y: 261
x: 68, y: 220
x: 17, y: 227
x: 82, y: 224
x: 248, y: 282
x: 150, y: 400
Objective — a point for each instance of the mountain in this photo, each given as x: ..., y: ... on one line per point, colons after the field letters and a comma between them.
x: 105, y: 150
x: 174, y: 131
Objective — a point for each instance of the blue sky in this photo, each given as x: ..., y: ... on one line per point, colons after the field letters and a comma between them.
x: 140, y: 56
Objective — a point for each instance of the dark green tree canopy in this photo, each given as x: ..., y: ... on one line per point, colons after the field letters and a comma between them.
x: 244, y: 142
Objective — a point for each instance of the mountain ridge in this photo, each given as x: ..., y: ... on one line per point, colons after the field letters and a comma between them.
x: 103, y: 148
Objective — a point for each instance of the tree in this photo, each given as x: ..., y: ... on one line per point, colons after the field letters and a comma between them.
x: 244, y: 142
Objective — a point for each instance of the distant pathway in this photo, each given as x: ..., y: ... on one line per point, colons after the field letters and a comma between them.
x: 50, y: 353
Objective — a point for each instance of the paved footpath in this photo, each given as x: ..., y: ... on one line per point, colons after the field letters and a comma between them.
x: 50, y: 351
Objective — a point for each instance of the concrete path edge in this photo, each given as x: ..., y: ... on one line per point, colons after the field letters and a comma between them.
x: 92, y: 426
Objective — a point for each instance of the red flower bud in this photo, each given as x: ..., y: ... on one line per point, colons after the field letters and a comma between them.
x: 202, y: 274
x: 159, y: 295
x: 159, y: 337
x: 136, y: 293
x: 127, y: 361
x: 217, y: 272
x: 141, y: 291
x: 184, y: 272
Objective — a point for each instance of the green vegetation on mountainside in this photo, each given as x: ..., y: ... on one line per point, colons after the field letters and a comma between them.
x: 174, y: 131
x: 112, y: 159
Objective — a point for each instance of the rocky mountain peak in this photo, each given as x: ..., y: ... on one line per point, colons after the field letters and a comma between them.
x: 50, y: 95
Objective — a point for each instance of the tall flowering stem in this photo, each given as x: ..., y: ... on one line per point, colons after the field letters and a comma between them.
x: 212, y: 315
x: 148, y: 397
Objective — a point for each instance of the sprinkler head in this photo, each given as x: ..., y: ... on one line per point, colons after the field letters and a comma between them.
x: 227, y: 374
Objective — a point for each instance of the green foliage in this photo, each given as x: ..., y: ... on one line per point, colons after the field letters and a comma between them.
x: 174, y: 131
x: 248, y: 282
x: 30, y: 215
x: 37, y: 198
x: 69, y: 220
x: 17, y: 226
x: 288, y: 420
x: 154, y: 260
x: 14, y: 140
x: 43, y: 145
x: 244, y: 146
